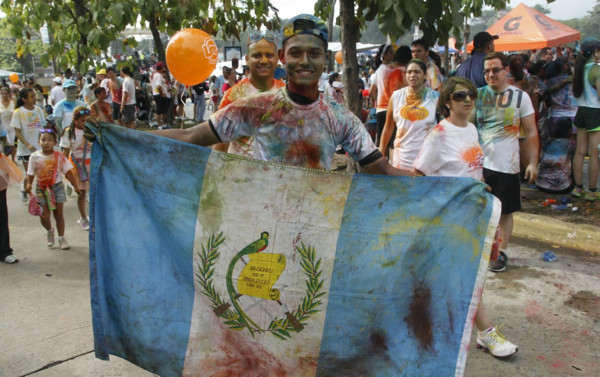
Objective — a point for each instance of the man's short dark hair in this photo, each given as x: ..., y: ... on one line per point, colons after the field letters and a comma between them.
x: 126, y: 70
x: 98, y: 90
x: 420, y: 42
x: 497, y: 55
x: 110, y: 69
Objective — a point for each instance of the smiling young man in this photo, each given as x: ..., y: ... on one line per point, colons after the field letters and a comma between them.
x: 294, y: 125
x: 262, y: 61
x: 501, y: 110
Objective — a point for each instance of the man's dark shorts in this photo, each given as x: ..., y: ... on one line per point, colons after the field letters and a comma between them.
x: 162, y: 104
x: 128, y: 114
x: 587, y: 118
x: 506, y: 187
x: 116, y: 111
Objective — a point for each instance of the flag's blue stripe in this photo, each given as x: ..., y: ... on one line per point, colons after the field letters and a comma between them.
x: 377, y: 269
x: 142, y: 305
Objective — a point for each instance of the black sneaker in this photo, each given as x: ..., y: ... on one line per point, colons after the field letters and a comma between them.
x: 499, y: 264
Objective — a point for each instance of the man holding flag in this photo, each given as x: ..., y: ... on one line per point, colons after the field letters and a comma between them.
x: 294, y: 125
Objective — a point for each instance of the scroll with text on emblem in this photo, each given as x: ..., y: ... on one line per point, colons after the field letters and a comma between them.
x: 260, y: 274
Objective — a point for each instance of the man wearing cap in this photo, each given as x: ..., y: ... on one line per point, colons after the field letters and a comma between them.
x: 57, y: 93
x: 294, y: 125
x: 472, y: 68
x: 63, y: 111
x: 262, y: 60
x: 161, y: 93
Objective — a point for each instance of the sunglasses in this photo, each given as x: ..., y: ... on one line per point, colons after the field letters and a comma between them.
x: 84, y: 112
x: 47, y: 131
x: 462, y: 95
x: 495, y: 70
x: 255, y: 37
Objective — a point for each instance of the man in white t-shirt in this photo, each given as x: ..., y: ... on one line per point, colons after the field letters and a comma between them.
x: 500, y: 112
x: 57, y: 94
x: 162, y: 95
x: 128, y: 101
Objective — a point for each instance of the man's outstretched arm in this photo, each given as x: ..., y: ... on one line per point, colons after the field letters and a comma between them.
x: 201, y: 134
x: 382, y: 166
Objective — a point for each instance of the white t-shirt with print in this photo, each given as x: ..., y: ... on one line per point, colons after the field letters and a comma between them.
x: 30, y: 122
x: 413, y: 121
x: 498, y: 121
x: 76, y: 145
x: 43, y: 167
x: 451, y: 151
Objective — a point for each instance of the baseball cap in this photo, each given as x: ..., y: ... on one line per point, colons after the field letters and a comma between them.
x: 337, y: 85
x: 589, y: 45
x: 69, y: 84
x: 160, y: 65
x: 57, y: 80
x: 101, y: 72
x: 305, y: 24
x: 482, y: 38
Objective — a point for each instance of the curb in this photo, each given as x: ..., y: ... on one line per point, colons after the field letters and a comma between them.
x: 539, y: 228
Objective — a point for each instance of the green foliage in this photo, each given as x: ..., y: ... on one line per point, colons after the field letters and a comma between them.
x: 82, y: 30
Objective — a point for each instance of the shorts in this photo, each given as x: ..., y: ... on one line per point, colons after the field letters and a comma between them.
x: 23, y: 158
x: 116, y: 111
x: 587, y: 118
x: 506, y: 187
x: 162, y: 104
x: 60, y: 196
x: 128, y: 114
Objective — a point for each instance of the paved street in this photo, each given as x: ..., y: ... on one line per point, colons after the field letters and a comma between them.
x: 551, y: 310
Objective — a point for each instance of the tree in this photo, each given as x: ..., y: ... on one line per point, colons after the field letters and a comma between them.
x: 227, y: 18
x: 79, y: 30
x: 541, y: 8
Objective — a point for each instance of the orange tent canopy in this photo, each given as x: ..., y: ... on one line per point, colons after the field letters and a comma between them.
x: 524, y: 28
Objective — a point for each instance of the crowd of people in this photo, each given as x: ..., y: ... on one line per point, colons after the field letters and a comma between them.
x: 502, y: 119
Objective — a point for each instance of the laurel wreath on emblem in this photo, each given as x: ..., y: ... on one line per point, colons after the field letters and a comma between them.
x: 281, y: 327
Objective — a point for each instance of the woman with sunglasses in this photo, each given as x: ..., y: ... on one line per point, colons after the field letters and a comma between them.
x: 79, y: 151
x: 412, y: 110
x: 452, y: 150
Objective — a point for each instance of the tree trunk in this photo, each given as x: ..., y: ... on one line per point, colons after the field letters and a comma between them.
x: 330, y: 20
x: 350, y: 32
x: 160, y: 48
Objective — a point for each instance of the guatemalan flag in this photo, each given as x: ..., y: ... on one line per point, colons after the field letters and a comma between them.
x: 208, y: 264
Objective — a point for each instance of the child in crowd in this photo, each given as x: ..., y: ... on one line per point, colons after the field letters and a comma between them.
x: 79, y: 151
x: 48, y: 167
x: 554, y: 174
x: 100, y: 109
x: 452, y: 150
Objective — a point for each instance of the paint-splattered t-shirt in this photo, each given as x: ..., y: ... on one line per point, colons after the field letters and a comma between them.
x: 289, y: 133
x: 498, y: 120
x: 555, y: 164
x: 451, y: 151
x: 415, y: 117
x: 387, y: 78
x: 43, y: 167
x: 244, y: 146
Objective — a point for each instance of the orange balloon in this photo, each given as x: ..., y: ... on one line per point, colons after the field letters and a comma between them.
x: 13, y: 77
x: 191, y: 56
x: 338, y: 57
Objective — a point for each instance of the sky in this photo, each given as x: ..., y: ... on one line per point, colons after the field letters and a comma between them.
x: 560, y: 9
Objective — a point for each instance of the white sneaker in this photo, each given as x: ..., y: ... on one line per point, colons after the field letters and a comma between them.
x: 495, y: 343
x: 64, y: 245
x: 84, y: 223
